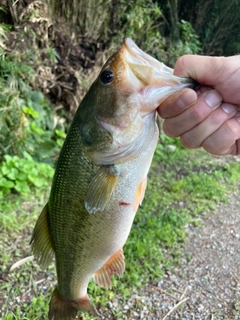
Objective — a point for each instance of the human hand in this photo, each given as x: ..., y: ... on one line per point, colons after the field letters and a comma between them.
x: 209, y: 117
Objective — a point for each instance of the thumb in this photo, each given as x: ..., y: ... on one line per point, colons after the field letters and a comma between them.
x: 221, y: 73
x: 204, y: 69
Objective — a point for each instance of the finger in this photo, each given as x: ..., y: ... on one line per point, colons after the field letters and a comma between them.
x: 223, y: 141
x: 203, y: 69
x: 202, y: 89
x: 195, y: 137
x: 221, y: 73
x: 177, y: 103
x: 187, y: 120
x: 234, y: 149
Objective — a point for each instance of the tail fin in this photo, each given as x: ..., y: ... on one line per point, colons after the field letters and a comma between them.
x: 63, y: 309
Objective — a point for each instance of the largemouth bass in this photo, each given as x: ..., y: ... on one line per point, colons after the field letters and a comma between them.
x: 101, y: 176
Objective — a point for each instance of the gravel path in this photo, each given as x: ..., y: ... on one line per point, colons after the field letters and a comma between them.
x: 208, y: 286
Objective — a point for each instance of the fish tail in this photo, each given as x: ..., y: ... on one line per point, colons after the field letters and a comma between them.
x: 64, y: 309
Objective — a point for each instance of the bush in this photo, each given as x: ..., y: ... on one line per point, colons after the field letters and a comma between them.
x: 188, y: 43
x: 139, y: 20
x: 20, y: 174
x: 26, y: 118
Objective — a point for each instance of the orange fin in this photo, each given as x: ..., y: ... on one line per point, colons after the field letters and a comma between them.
x: 41, y: 242
x: 115, y: 265
x: 64, y: 309
x: 101, y: 188
x: 140, y: 194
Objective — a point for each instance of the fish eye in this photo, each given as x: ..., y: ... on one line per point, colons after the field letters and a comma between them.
x: 106, y: 77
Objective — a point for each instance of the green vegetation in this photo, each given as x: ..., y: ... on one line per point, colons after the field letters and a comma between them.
x: 167, y: 28
x: 26, y: 118
x: 20, y: 174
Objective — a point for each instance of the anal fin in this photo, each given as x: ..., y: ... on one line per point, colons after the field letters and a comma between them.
x: 115, y: 265
x: 101, y: 188
x: 41, y: 242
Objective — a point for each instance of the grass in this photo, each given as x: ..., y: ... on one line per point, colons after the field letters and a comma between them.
x: 183, y: 186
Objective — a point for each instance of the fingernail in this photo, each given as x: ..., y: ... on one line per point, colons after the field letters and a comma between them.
x: 186, y: 99
x: 228, y: 108
x: 213, y: 99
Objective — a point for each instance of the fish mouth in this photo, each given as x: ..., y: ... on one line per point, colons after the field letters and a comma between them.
x: 149, y: 71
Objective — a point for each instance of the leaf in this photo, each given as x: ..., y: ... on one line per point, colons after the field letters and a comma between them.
x: 60, y: 133
x: 22, y: 176
x: 39, y: 182
x: 13, y: 174
x: 6, y: 183
x: 27, y: 155
x: 22, y: 187
x: 30, y: 111
x: 5, y: 170
x: 37, y: 129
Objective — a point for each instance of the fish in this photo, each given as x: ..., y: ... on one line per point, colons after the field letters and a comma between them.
x: 101, y: 177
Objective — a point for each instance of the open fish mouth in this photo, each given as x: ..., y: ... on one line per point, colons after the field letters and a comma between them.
x: 150, y: 71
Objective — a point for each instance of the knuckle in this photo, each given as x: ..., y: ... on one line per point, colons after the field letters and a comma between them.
x: 212, y: 146
x: 170, y: 129
x: 217, y: 118
x: 211, y: 150
x: 181, y: 65
x: 196, y: 114
x: 232, y: 129
x: 188, y: 141
x: 223, y: 139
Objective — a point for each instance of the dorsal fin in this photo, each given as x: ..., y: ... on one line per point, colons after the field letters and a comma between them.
x: 115, y: 265
x: 41, y: 243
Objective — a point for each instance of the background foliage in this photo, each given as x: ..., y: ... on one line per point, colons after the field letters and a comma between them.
x: 210, y: 27
x: 166, y: 29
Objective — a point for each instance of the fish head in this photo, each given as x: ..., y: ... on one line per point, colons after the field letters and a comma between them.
x: 128, y: 90
x: 132, y: 81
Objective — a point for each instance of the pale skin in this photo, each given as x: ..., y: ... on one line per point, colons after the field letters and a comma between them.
x: 210, y: 117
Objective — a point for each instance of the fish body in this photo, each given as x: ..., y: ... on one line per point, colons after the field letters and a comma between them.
x: 101, y: 176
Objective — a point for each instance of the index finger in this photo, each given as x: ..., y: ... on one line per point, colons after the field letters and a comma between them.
x: 177, y: 103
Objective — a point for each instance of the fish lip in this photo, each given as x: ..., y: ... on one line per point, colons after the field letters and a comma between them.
x: 145, y: 58
x: 135, y: 58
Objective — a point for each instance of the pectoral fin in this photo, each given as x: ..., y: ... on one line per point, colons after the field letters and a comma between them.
x: 101, y: 188
x: 115, y: 265
x: 41, y: 242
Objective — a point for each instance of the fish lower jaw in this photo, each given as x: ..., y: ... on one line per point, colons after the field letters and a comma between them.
x: 153, y: 113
